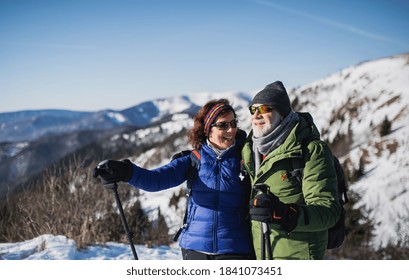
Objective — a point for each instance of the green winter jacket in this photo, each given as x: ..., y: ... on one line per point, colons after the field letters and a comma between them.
x: 318, y: 198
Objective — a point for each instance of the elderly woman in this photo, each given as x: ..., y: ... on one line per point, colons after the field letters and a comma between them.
x: 216, y: 227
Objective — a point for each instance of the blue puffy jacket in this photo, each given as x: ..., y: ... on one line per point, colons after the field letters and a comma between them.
x: 217, y: 208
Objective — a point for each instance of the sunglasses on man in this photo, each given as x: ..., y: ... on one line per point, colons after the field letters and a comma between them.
x: 262, y: 109
x: 225, y: 125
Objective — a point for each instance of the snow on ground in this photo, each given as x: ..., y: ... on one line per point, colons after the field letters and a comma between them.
x: 50, y: 247
x: 25, y: 260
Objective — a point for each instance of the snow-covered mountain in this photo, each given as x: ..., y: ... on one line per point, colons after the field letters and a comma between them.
x: 348, y: 107
x: 32, y: 125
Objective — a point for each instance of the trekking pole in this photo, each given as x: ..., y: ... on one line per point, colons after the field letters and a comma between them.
x: 265, y: 228
x: 129, y: 234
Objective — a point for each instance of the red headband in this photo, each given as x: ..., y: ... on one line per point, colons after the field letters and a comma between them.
x: 212, y: 115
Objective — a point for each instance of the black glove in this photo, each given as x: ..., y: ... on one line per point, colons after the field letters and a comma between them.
x: 267, y: 208
x: 113, y: 171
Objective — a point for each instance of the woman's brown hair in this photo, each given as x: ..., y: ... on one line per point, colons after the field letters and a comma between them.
x: 196, y: 135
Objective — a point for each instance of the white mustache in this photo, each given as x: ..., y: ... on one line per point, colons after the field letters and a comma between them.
x: 260, y: 122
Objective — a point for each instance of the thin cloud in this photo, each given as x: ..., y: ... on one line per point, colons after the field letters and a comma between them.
x: 326, y: 21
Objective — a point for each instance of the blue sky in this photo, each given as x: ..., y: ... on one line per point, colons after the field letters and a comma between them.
x: 93, y: 55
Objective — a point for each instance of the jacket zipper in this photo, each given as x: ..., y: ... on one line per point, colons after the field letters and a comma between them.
x: 215, y: 216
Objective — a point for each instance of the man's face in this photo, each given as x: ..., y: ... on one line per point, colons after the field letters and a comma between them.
x: 264, y: 119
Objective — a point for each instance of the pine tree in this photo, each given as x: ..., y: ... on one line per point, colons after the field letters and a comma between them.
x: 385, y: 128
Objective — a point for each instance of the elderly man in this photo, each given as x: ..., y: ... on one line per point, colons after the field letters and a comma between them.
x: 289, y: 216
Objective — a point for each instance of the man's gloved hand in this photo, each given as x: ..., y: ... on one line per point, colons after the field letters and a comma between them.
x: 267, y: 208
x: 113, y: 171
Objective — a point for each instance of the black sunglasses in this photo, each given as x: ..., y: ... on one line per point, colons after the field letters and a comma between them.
x: 262, y: 109
x: 225, y: 125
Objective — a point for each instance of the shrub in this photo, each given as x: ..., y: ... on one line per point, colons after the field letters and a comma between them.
x: 69, y: 201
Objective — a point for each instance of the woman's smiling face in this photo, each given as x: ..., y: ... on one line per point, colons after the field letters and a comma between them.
x: 223, y: 139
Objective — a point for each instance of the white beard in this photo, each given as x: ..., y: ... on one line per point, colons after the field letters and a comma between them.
x: 260, y: 131
x: 270, y: 125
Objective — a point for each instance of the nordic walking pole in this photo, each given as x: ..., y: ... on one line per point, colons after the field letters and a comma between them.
x: 265, y: 228
x: 129, y: 234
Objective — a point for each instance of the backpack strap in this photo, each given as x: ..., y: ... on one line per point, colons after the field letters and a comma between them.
x: 195, y: 157
x: 342, y: 184
x: 181, y: 154
x: 191, y: 175
x: 298, y: 163
x: 297, y: 169
x: 192, y: 172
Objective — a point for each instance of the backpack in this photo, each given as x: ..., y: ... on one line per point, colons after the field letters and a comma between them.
x: 337, y: 233
x: 191, y: 175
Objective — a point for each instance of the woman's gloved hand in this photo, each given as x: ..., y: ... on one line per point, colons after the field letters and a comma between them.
x: 113, y: 171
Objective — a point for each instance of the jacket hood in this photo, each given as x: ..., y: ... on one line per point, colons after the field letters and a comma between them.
x: 306, y: 127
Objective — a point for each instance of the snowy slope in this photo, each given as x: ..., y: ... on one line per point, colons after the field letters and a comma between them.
x: 355, y: 102
x: 49, y: 247
x: 358, y: 96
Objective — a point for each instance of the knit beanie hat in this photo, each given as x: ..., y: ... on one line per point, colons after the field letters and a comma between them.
x: 274, y: 95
